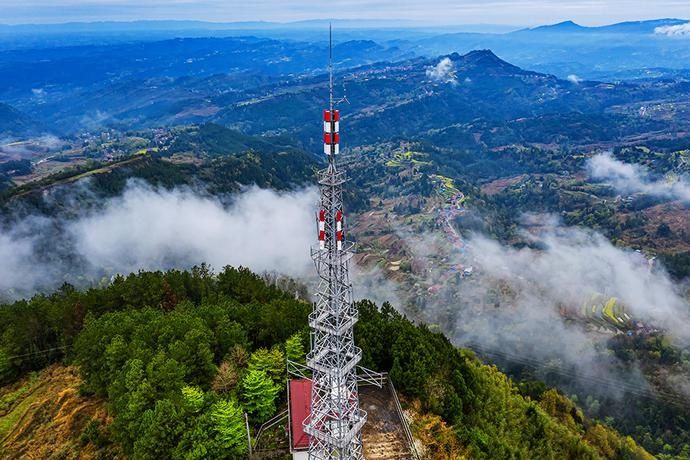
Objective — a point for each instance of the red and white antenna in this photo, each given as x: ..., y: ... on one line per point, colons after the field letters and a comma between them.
x: 322, y: 229
x: 339, y: 230
x: 331, y: 117
x: 331, y: 132
x: 331, y: 148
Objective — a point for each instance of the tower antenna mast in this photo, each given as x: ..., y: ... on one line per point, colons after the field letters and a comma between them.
x: 335, y: 419
x: 330, y: 67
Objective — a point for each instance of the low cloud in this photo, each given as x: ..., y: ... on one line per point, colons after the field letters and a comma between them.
x: 681, y: 30
x: 631, y: 178
x: 372, y: 284
x: 95, y: 119
x: 443, y: 72
x: 149, y: 228
x: 574, y: 79
x: 573, y: 264
x: 533, y: 305
x: 536, y: 306
x: 18, y: 270
x: 27, y: 149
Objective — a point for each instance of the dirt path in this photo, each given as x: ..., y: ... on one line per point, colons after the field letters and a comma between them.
x: 383, y: 436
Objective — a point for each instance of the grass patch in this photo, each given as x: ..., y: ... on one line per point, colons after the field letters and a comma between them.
x: 9, y: 399
x: 447, y: 185
x: 401, y: 159
x: 10, y: 421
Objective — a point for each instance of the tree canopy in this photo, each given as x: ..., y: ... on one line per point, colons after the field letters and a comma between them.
x: 182, y: 356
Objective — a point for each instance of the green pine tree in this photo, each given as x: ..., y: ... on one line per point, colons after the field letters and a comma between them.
x: 228, y: 423
x: 193, y: 397
x: 272, y: 362
x: 294, y: 349
x: 259, y: 395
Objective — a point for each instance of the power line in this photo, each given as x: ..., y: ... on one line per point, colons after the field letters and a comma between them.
x: 37, y: 353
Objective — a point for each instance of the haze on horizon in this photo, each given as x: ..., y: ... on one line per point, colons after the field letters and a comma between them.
x: 439, y: 12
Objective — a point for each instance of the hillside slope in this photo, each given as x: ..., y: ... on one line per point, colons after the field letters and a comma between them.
x: 15, y: 123
x: 179, y: 356
x: 44, y: 416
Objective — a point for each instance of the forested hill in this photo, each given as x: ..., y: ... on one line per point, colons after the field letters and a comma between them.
x: 15, y: 123
x: 179, y: 356
x: 209, y: 157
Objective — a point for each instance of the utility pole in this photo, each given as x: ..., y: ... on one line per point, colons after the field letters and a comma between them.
x: 249, y: 438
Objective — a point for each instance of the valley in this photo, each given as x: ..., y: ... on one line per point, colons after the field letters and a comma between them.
x: 535, y: 217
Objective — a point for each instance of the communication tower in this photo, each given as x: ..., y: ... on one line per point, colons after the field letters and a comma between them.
x: 335, y: 421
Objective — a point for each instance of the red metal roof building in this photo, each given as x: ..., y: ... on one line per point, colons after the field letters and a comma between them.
x: 300, y: 399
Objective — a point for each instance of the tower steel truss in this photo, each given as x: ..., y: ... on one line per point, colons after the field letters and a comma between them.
x: 335, y: 421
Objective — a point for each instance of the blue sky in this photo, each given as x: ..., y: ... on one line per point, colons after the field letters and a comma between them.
x: 515, y: 12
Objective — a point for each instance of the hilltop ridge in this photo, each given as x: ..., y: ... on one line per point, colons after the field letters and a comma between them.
x: 170, y: 351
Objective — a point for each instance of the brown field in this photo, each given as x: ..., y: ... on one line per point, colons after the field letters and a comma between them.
x: 497, y: 186
x: 675, y: 215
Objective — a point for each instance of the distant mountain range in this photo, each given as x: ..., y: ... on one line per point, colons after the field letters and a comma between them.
x: 606, y: 52
x: 338, y: 24
x: 634, y: 27
x: 90, y: 33
x: 489, y: 98
x: 562, y: 49
x: 209, y: 80
x: 68, y: 67
x: 268, y: 85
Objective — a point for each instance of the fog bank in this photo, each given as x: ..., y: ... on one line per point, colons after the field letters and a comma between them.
x: 150, y: 229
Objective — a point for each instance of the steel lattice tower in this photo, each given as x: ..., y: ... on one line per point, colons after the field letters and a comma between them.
x: 335, y: 422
